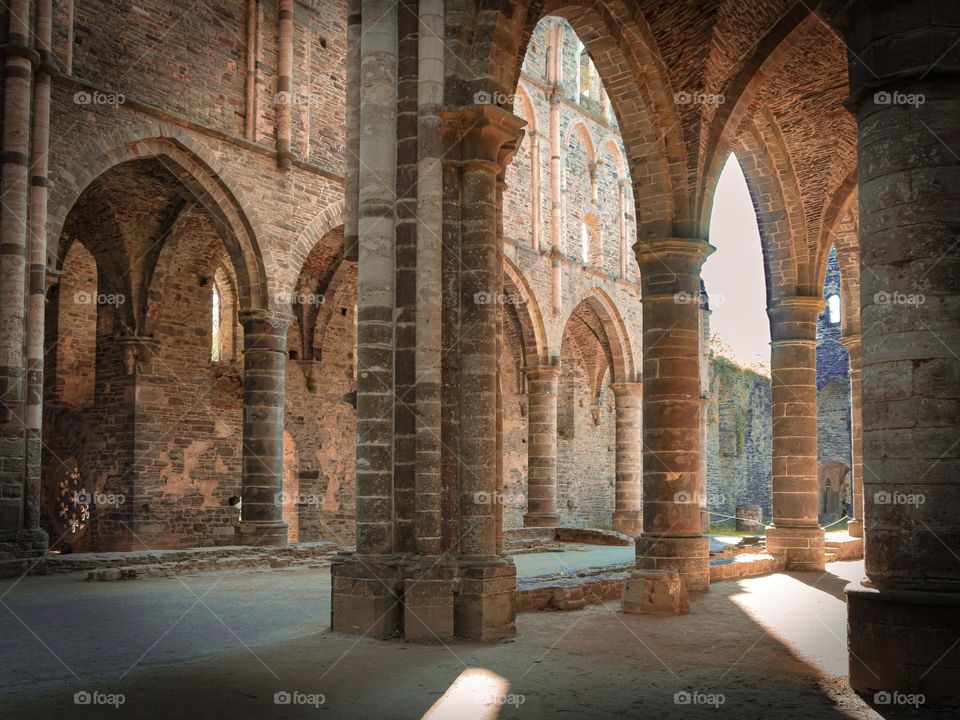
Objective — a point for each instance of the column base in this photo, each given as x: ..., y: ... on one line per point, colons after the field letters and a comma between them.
x: 803, y: 547
x: 900, y: 645
x: 541, y: 520
x: 485, y: 609
x: 628, y: 522
x: 262, y: 534
x: 428, y: 592
x: 365, y: 597
x: 689, y: 556
x: 855, y: 528
x: 24, y: 544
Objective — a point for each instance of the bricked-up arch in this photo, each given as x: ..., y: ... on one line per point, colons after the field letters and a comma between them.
x: 523, y: 304
x: 199, y: 172
x: 579, y: 128
x: 621, y: 45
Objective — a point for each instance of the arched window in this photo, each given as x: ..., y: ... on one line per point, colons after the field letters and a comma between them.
x: 833, y: 306
x: 215, y: 326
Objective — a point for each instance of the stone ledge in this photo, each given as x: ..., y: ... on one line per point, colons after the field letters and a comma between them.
x: 186, y: 560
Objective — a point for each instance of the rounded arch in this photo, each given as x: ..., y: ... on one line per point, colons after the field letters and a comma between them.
x: 579, y: 127
x: 529, y: 109
x: 328, y: 219
x: 635, y: 78
x: 609, y: 147
x: 196, y: 168
x: 622, y: 364
x: 535, y: 350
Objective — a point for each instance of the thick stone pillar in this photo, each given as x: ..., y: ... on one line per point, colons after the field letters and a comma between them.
x: 482, y: 138
x: 19, y: 60
x: 37, y: 282
x: 852, y: 344
x: 672, y: 539
x: 264, y: 368
x: 904, y: 618
x: 627, y: 512
x: 796, y: 530
x: 367, y: 585
x: 542, y: 384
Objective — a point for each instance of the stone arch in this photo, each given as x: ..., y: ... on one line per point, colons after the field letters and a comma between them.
x: 529, y: 109
x: 622, y: 47
x: 835, y: 211
x: 579, y: 126
x: 609, y: 146
x: 742, y: 90
x: 330, y: 218
x: 194, y: 165
x: 621, y: 356
x: 779, y: 213
x: 524, y: 303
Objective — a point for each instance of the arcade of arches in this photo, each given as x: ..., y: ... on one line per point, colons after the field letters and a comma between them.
x: 412, y: 277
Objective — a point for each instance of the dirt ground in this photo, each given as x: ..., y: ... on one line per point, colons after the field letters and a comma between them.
x: 759, y: 648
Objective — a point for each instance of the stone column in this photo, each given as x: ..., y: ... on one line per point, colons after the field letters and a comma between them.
x: 542, y: 384
x: 852, y: 344
x: 37, y: 283
x: 486, y: 137
x: 366, y: 586
x: 19, y: 60
x: 904, y: 619
x: 264, y: 368
x: 670, y: 284
x: 627, y: 512
x: 796, y: 529
x: 622, y: 220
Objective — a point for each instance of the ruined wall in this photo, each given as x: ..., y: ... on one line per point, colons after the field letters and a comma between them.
x: 739, y: 441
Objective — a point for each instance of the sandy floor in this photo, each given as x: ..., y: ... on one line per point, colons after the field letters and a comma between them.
x: 770, y: 647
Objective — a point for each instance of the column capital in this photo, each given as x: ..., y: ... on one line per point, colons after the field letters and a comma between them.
x: 542, y: 372
x: 484, y: 133
x: 671, y: 265
x: 278, y: 319
x: 622, y: 390
x: 851, y: 342
x: 265, y: 330
x: 794, y: 318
